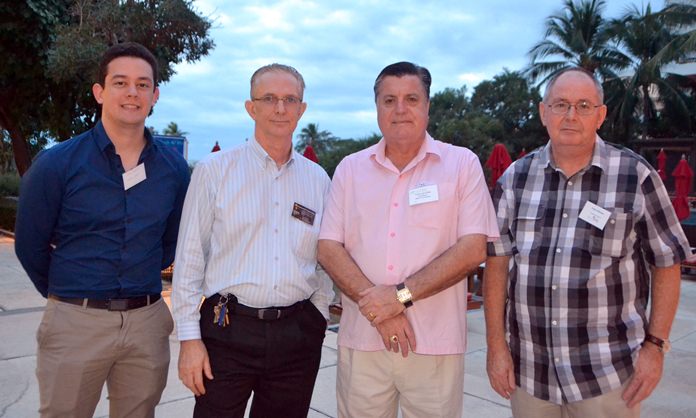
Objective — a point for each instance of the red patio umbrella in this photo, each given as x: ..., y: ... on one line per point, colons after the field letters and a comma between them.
x: 661, y: 164
x: 498, y: 162
x: 682, y: 185
x: 310, y: 154
x: 216, y: 147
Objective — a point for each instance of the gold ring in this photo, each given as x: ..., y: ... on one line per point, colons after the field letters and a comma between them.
x: 394, y: 339
x: 371, y: 316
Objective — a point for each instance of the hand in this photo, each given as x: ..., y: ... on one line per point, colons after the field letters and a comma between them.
x: 193, y: 362
x: 646, y: 375
x: 379, y: 303
x: 400, y: 327
x: 501, y: 371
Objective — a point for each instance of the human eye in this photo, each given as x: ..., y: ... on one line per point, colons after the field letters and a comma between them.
x: 584, y: 106
x: 144, y: 85
x: 388, y: 101
x: 560, y: 107
x: 412, y: 100
x: 269, y: 99
x: 119, y: 83
x: 291, y: 100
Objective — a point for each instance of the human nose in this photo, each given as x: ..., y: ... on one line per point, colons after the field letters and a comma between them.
x: 280, y: 102
x: 400, y: 106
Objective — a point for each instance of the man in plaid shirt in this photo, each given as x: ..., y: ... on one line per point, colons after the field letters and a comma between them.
x: 591, y: 234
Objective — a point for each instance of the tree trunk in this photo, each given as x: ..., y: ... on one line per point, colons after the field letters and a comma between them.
x: 646, y: 111
x: 20, y: 148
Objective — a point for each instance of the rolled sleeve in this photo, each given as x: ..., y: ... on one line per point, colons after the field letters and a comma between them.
x: 502, y: 198
x: 333, y: 220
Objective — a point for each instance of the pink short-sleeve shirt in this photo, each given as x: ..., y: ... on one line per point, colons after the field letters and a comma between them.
x: 391, y: 237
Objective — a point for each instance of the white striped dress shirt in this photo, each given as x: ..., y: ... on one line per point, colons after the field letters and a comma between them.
x: 237, y: 234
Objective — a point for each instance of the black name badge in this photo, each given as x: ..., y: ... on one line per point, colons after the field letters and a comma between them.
x: 304, y: 214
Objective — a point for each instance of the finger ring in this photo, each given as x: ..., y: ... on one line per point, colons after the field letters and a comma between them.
x: 371, y: 316
x: 394, y: 339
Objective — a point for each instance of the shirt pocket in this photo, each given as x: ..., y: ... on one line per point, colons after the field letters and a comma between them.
x: 611, y: 241
x: 439, y: 214
x: 527, y: 229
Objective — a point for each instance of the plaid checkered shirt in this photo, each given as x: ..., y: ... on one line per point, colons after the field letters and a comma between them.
x: 578, y: 293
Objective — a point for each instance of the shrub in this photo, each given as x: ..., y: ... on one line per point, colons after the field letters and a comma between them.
x: 9, y: 184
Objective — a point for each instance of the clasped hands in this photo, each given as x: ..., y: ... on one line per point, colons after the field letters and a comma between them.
x: 379, y: 305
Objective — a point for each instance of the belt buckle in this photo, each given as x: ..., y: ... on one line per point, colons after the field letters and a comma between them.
x: 117, y: 304
x: 273, y: 314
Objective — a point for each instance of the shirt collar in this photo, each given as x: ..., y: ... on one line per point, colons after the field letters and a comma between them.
x: 262, y: 157
x: 429, y: 146
x: 103, y: 141
x: 599, y: 155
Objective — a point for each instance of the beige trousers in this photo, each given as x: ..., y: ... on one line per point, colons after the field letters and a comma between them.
x: 609, y: 405
x: 81, y: 348
x: 374, y: 383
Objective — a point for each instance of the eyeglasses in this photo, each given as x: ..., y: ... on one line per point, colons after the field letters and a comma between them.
x: 583, y: 107
x: 272, y: 101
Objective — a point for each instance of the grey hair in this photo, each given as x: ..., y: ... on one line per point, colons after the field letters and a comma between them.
x: 595, y: 81
x: 277, y: 67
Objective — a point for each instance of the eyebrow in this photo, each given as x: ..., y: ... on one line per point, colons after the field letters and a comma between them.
x: 125, y: 76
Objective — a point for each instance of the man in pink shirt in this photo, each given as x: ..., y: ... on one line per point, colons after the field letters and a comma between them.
x: 406, y: 220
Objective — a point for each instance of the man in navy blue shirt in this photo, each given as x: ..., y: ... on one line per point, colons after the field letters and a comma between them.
x: 98, y: 219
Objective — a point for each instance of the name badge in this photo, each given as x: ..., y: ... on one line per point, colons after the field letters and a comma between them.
x: 304, y: 214
x: 595, y: 215
x: 422, y: 194
x: 134, y: 176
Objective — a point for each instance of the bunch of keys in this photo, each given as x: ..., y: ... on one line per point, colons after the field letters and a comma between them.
x: 221, y: 317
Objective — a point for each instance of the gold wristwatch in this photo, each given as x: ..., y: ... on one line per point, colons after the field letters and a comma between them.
x: 404, y: 295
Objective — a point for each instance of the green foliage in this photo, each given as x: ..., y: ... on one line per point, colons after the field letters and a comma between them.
x: 173, y: 130
x: 51, y: 49
x: 321, y: 141
x: 7, y: 218
x: 9, y: 184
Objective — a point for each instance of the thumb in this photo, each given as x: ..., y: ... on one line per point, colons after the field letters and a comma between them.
x: 206, y: 369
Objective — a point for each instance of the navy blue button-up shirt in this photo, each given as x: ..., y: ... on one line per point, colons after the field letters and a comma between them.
x: 80, y: 234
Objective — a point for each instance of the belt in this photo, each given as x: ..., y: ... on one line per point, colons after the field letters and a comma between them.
x: 110, y: 304
x: 264, y: 314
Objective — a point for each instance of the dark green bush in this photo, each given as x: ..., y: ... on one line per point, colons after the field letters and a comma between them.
x: 7, y: 218
x: 9, y: 185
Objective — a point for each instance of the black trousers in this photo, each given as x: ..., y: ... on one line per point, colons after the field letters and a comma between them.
x: 276, y: 360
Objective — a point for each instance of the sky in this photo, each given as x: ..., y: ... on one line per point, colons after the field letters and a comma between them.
x: 340, y: 46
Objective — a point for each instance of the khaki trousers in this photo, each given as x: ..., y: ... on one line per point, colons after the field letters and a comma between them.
x: 609, y: 405
x: 81, y: 348
x: 374, y: 383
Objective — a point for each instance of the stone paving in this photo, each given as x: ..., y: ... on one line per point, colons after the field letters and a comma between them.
x: 21, y: 309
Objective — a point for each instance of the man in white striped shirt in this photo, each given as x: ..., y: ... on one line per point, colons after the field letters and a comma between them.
x: 247, y: 242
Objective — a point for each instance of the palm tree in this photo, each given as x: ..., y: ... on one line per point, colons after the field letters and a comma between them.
x: 173, y: 130
x: 647, y: 91
x: 575, y: 37
x: 321, y: 141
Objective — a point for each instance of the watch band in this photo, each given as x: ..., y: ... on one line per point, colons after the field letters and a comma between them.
x: 663, y: 345
x: 403, y: 294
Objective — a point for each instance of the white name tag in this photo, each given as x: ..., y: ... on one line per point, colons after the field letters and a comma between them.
x: 423, y: 194
x: 595, y: 215
x: 134, y: 176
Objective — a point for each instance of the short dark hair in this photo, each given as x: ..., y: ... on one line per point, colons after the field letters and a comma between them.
x: 552, y: 81
x: 401, y: 69
x: 127, y: 49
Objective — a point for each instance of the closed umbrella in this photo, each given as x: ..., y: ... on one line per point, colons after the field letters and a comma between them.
x: 661, y: 164
x: 216, y: 147
x: 682, y: 185
x: 310, y: 154
x: 498, y: 162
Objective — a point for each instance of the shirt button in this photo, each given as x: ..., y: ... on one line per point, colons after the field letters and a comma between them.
x: 393, y: 234
x: 570, y: 183
x: 554, y: 323
x: 396, y: 205
x: 275, y: 287
x: 275, y: 258
x: 277, y: 203
x: 390, y: 267
x: 556, y: 359
x: 558, y: 250
x: 275, y: 230
x: 554, y: 287
x: 612, y: 221
x: 565, y: 215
